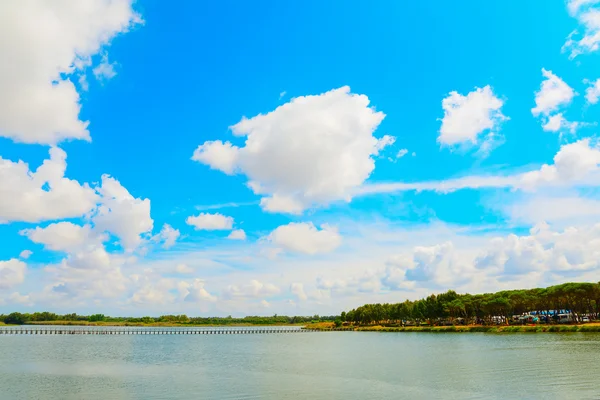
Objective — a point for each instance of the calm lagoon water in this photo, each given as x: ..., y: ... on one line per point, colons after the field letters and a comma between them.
x: 331, y: 365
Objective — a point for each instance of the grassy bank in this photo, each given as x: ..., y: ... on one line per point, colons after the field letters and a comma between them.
x: 594, y: 327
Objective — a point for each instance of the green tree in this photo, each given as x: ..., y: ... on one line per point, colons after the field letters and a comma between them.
x: 15, y: 318
x: 96, y: 317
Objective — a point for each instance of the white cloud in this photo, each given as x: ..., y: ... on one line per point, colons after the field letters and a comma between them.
x: 440, y: 265
x: 402, y: 153
x: 563, y: 253
x: 25, y: 254
x: 44, y: 41
x: 305, y: 238
x: 564, y: 210
x: 592, y: 93
x: 89, y: 273
x: 574, y: 5
x: 297, y: 289
x: 575, y: 164
x: 368, y: 281
x: 206, y: 207
x: 282, y: 204
x: 237, y: 234
x: 65, y: 236
x: 265, y: 304
x: 121, y: 214
x: 467, y: 118
x: 44, y: 194
x: 210, y: 222
x: 254, y: 289
x: 105, y: 70
x: 17, y: 298
x: 83, y: 82
x: 589, y: 17
x: 218, y: 155
x: 184, y: 269
x: 151, y: 289
x: 554, y: 93
x: 195, y: 292
x: 312, y: 150
x: 12, y: 273
x: 47, y: 194
x: 384, y: 142
x: 168, y: 235
x: 558, y: 123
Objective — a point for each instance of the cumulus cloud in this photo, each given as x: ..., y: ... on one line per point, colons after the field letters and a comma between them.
x: 558, y: 123
x: 64, y: 236
x: 210, y: 222
x: 237, y: 234
x: 467, y: 118
x: 38, y: 102
x: 305, y: 238
x: 168, y: 236
x: 592, y: 93
x: 575, y: 163
x: 45, y: 194
x: 438, y: 264
x: 254, y: 289
x: 12, y: 273
x: 402, y: 153
x: 572, y: 250
x: 195, y: 291
x: 312, y: 150
x: 588, y: 15
x: 155, y: 291
x: 553, y: 95
x: 122, y: 214
x: 88, y: 273
x: 218, y: 155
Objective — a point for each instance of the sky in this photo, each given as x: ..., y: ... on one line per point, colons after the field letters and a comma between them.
x: 229, y: 158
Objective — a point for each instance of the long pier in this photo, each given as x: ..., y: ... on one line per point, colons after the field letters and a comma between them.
x: 116, y: 330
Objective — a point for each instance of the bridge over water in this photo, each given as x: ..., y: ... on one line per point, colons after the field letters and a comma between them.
x: 129, y: 330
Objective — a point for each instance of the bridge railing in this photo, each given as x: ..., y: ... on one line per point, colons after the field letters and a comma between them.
x: 119, y: 330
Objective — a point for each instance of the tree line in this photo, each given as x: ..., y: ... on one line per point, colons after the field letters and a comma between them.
x: 573, y: 298
x: 18, y: 318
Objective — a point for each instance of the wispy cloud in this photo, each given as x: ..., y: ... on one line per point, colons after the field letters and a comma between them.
x: 205, y: 207
x: 575, y: 165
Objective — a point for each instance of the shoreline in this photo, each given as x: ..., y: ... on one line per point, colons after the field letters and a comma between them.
x: 581, y: 328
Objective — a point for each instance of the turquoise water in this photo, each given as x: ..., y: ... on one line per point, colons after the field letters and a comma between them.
x: 330, y: 365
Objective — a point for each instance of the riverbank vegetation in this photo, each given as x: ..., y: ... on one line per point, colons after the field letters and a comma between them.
x: 48, y: 318
x: 450, y: 308
x: 534, y: 328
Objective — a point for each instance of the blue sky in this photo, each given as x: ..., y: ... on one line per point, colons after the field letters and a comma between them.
x: 230, y: 158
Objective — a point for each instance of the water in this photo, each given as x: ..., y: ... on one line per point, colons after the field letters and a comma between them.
x: 331, y: 365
